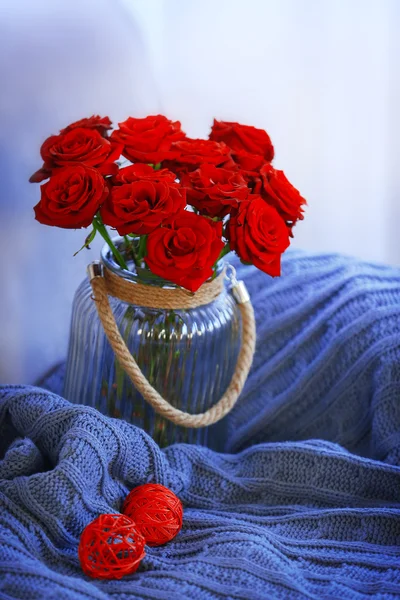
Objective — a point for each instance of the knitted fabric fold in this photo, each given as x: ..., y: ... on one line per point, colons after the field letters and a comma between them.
x: 305, y: 503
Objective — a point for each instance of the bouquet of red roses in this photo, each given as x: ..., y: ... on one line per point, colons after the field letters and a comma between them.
x: 181, y: 203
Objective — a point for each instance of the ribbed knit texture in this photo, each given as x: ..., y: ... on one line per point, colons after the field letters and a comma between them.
x: 307, y: 505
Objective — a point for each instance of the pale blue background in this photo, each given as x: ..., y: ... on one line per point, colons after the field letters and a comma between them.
x: 59, y: 61
x: 321, y: 77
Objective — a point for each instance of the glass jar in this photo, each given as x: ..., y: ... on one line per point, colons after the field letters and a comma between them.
x: 188, y: 355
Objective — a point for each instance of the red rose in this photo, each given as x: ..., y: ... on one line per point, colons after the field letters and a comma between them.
x: 142, y: 206
x: 281, y: 194
x: 71, y: 197
x: 78, y: 145
x: 213, y: 191
x: 258, y: 234
x: 148, y: 140
x: 101, y: 124
x: 243, y: 137
x: 185, y: 252
x: 247, y: 162
x: 249, y: 166
x: 140, y: 171
x: 190, y: 154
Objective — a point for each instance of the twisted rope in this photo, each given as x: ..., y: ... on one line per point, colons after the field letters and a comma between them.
x: 99, y: 285
x: 157, y: 297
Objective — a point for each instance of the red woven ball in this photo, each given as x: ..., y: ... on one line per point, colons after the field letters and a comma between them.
x: 156, y: 511
x: 110, y: 547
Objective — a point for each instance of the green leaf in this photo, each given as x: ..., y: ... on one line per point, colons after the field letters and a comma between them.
x: 147, y: 276
x: 88, y: 241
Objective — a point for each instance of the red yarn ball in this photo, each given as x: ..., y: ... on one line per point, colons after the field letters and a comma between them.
x: 110, y: 547
x: 156, y: 511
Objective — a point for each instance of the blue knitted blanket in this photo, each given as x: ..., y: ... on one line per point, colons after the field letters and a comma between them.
x: 305, y: 503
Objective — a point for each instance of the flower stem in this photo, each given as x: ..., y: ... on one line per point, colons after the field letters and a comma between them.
x: 130, y: 248
x: 99, y: 226
x: 142, y: 247
x: 225, y: 250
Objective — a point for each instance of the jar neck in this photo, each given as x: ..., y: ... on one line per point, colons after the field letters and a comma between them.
x: 134, y: 273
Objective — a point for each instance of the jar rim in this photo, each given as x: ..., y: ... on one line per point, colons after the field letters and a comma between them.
x: 145, y: 276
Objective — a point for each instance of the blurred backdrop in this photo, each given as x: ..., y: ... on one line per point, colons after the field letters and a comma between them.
x: 321, y: 77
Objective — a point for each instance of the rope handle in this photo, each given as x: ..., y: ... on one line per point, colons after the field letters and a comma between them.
x: 132, y: 369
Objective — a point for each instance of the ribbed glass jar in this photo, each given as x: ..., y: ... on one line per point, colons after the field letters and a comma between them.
x: 188, y: 355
